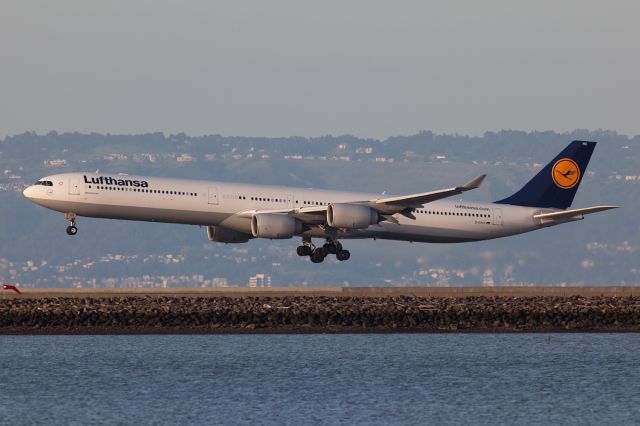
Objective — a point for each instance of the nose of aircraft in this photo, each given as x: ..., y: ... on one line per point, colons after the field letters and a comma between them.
x: 28, y: 192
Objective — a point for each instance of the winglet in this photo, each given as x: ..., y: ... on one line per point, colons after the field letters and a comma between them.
x: 473, y: 183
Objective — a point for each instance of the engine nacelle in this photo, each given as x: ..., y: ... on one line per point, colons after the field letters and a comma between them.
x: 226, y: 235
x: 351, y: 216
x: 270, y: 225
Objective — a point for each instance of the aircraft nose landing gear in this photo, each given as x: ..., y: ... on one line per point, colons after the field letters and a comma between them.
x: 71, y: 218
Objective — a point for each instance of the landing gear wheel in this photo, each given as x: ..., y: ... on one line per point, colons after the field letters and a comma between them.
x: 303, y: 250
x: 318, y: 255
x: 71, y: 218
x: 330, y: 248
x: 343, y: 255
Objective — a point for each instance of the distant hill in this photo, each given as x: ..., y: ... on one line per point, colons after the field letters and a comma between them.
x: 34, y: 249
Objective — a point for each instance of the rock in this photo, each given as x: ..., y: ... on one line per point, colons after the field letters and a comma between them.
x: 154, y: 314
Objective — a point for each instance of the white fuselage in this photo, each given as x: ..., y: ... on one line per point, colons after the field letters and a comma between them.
x: 198, y: 202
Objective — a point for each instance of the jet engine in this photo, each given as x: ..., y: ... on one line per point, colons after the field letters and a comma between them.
x: 270, y: 225
x: 351, y: 216
x: 226, y: 235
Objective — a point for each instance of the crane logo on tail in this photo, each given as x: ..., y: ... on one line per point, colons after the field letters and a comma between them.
x: 565, y: 173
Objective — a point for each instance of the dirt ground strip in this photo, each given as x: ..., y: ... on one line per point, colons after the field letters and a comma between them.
x: 329, y: 292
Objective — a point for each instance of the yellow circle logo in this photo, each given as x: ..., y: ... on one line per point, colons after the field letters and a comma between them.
x: 565, y: 173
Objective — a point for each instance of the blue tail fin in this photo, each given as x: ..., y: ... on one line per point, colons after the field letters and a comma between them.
x: 556, y: 185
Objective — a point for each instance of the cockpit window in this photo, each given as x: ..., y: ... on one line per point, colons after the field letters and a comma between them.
x: 44, y: 183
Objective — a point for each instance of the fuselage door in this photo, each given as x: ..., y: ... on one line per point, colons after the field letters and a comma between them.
x: 213, y: 195
x: 497, y: 217
x: 289, y: 201
x: 74, y: 185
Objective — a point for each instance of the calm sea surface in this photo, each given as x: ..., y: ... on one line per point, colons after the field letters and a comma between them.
x: 321, y: 379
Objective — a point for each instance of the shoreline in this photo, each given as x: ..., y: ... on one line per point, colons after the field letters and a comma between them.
x: 294, y: 331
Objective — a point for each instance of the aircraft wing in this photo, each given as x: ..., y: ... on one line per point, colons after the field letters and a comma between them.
x: 385, y: 206
x: 395, y: 204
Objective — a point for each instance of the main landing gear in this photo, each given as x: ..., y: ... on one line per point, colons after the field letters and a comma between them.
x: 318, y: 254
x: 71, y: 218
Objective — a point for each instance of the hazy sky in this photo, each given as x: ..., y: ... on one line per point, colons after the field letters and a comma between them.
x: 282, y: 68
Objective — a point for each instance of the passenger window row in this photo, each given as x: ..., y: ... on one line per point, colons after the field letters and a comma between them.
x: 280, y: 200
x: 452, y: 213
x: 150, y: 191
x: 271, y: 200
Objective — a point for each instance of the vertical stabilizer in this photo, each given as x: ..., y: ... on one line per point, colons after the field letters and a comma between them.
x: 557, y: 184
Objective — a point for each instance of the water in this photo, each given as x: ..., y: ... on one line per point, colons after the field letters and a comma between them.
x: 321, y: 379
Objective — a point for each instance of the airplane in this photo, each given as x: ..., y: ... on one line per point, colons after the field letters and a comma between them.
x: 237, y: 213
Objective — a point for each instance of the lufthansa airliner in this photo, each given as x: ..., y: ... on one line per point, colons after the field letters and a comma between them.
x: 237, y: 213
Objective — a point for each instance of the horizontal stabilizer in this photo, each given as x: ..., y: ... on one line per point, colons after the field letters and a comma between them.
x: 575, y: 213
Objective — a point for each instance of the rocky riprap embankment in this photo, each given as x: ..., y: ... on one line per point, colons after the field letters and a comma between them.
x: 317, y: 314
